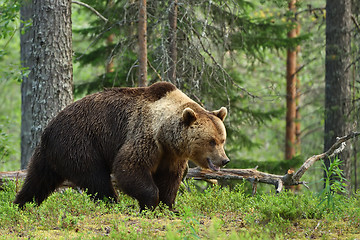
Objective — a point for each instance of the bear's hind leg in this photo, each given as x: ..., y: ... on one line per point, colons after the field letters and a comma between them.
x: 39, y: 183
x: 103, y: 190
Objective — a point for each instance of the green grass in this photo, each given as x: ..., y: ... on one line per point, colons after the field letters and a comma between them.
x: 216, y: 213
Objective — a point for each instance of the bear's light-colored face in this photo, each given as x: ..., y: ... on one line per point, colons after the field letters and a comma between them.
x: 207, y: 136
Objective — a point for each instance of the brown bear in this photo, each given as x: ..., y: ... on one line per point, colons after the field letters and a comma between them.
x: 144, y: 136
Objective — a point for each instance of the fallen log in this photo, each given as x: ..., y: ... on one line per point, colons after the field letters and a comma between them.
x: 279, y: 181
x: 19, y: 176
x: 252, y: 175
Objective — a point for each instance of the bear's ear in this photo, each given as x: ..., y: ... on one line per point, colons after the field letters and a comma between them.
x: 189, y: 116
x: 221, y: 113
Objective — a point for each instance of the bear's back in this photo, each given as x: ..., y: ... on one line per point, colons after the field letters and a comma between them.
x: 114, y: 102
x: 152, y: 93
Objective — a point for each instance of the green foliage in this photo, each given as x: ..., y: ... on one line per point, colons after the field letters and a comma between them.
x: 9, y: 19
x: 286, y: 206
x: 4, y: 138
x: 334, y: 182
x: 215, y: 199
x: 230, y: 26
x: 9, y: 13
x: 216, y: 213
x: 10, y: 75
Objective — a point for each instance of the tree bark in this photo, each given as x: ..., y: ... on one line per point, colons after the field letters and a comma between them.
x: 297, y: 100
x: 172, y: 41
x: 26, y: 85
x: 290, y: 135
x: 142, y: 34
x: 337, y: 77
x: 48, y: 88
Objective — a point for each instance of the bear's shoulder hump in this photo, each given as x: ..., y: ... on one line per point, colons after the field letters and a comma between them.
x: 159, y: 90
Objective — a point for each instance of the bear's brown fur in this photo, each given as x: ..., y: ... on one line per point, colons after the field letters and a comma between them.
x: 144, y: 136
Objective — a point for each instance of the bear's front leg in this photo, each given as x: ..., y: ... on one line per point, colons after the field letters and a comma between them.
x: 139, y: 185
x: 134, y: 177
x: 168, y: 183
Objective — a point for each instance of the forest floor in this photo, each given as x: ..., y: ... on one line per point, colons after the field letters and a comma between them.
x: 216, y: 213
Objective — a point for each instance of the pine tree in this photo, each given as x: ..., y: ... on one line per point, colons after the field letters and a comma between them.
x: 142, y: 35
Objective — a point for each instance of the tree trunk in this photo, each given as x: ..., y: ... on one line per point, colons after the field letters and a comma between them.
x: 142, y: 44
x: 356, y: 119
x: 48, y: 88
x: 297, y: 101
x: 26, y: 85
x: 290, y: 135
x: 172, y: 41
x: 337, y: 77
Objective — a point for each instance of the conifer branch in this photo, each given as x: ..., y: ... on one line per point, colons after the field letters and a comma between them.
x: 218, y: 65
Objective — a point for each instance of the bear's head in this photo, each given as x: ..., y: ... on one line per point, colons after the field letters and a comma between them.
x: 206, y: 137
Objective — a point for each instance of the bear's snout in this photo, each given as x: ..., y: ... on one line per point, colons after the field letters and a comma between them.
x: 215, y: 166
x: 225, y: 161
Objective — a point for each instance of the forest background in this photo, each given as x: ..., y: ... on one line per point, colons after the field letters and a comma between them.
x: 229, y: 53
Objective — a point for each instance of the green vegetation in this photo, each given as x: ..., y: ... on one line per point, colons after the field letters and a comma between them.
x: 10, y: 75
x: 216, y: 213
x: 334, y: 183
x: 249, y: 42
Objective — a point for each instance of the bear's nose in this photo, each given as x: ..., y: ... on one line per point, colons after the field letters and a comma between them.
x: 225, y: 161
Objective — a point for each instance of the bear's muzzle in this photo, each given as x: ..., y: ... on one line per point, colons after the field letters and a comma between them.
x: 213, y: 167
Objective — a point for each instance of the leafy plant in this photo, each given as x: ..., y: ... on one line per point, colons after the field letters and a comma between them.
x: 334, y: 182
x: 9, y: 13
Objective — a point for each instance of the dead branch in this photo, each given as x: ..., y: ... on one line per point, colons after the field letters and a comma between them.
x: 336, y: 148
x: 355, y: 22
x: 19, y: 176
x: 252, y: 175
x: 92, y: 9
x: 289, y: 179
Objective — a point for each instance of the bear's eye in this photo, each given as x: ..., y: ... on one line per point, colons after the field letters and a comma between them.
x: 212, y: 142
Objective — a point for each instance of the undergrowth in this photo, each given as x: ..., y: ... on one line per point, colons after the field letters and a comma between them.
x: 216, y: 213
